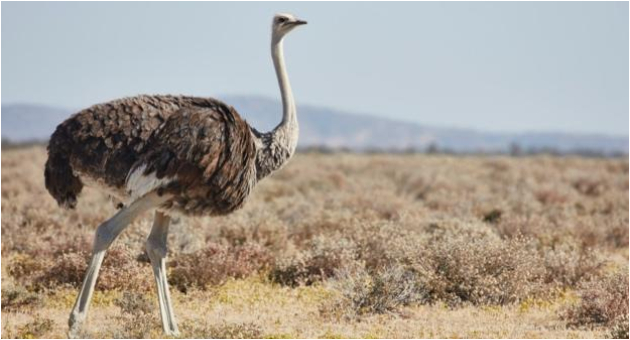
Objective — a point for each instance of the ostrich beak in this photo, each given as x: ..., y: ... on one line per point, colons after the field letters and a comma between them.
x: 299, y: 22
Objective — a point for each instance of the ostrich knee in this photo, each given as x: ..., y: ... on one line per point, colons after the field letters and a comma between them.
x: 156, y: 250
x: 105, y: 235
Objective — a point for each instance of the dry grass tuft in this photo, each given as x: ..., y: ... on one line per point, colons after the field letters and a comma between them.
x: 137, y: 319
x: 240, y: 330
x: 31, y: 330
x: 16, y: 298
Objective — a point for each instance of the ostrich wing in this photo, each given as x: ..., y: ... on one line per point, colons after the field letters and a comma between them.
x: 198, y: 152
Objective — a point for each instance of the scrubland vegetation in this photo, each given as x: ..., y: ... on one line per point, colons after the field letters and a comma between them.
x: 342, y: 245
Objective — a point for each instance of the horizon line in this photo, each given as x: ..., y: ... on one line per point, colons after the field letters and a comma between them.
x: 353, y: 113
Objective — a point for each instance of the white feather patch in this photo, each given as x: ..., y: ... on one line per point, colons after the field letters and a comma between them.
x: 99, y: 184
x: 139, y: 184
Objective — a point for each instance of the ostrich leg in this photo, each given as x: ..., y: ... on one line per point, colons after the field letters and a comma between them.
x: 105, y: 235
x: 156, y: 249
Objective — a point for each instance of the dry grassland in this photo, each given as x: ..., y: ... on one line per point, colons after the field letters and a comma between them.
x: 335, y: 246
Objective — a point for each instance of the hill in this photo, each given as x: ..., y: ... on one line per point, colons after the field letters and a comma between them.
x: 330, y: 128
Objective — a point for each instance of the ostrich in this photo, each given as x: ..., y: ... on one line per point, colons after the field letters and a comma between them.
x: 175, y: 154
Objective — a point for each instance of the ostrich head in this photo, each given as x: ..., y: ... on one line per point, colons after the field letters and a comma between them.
x: 284, y: 23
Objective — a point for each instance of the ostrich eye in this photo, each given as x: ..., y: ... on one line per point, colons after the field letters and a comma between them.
x: 282, y: 20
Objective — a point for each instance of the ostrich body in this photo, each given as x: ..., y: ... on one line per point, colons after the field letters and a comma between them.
x: 172, y: 154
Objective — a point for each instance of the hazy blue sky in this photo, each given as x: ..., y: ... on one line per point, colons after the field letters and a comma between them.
x: 518, y: 66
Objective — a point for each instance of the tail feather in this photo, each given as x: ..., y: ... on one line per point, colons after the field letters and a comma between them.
x: 60, y: 180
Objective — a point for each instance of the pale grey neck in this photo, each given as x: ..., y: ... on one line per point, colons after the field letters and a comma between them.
x: 289, y: 119
x: 278, y: 145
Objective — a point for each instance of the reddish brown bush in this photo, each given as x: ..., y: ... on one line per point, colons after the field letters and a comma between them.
x: 120, y: 270
x: 66, y: 269
x: 550, y: 197
x: 322, y: 258
x: 619, y: 328
x: 589, y: 186
x: 603, y: 301
x: 214, y: 264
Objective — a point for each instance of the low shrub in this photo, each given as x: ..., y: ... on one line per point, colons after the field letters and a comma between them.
x: 603, y: 301
x: 18, y: 297
x: 619, y: 329
x: 321, y: 259
x: 375, y: 292
x: 32, y: 330
x: 214, y: 264
x: 569, y: 263
x: 64, y: 264
x: 131, y: 303
x: 137, y: 319
x: 479, y: 271
x: 121, y: 269
x: 23, y: 267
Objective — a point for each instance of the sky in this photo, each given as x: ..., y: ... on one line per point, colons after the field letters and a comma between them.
x: 490, y: 66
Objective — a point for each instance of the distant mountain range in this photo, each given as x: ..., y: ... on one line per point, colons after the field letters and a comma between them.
x: 329, y: 128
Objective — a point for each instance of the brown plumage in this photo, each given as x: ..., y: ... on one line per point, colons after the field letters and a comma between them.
x: 202, y: 145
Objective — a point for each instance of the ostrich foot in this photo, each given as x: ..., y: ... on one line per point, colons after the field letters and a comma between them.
x: 75, y: 322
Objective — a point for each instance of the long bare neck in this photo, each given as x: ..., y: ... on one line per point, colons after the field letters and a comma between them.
x: 289, y: 124
x: 288, y: 105
x: 279, y: 144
